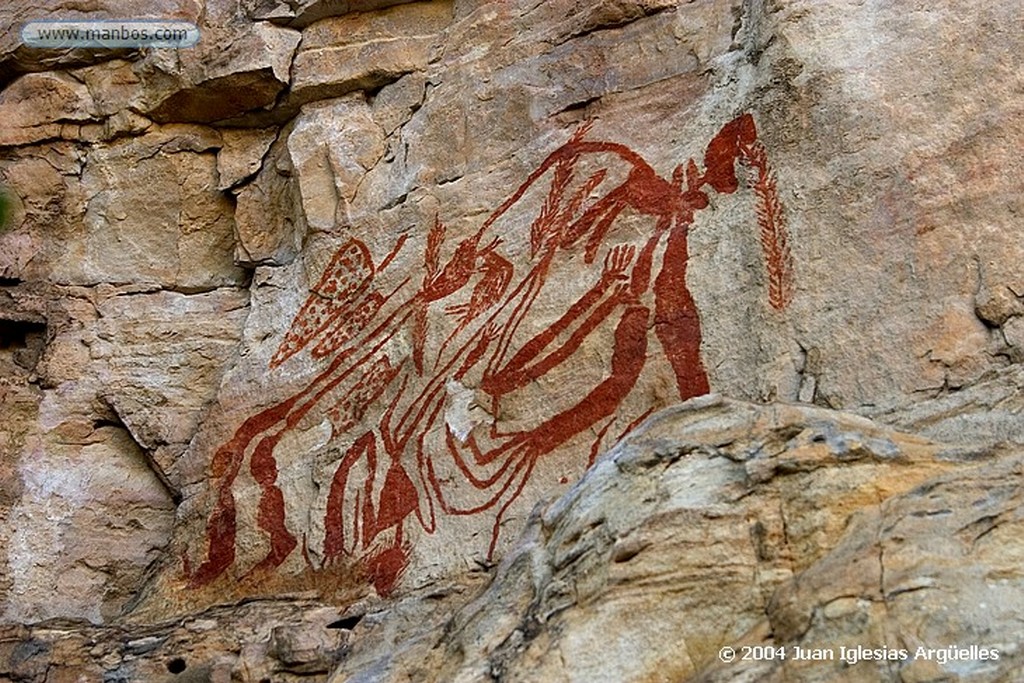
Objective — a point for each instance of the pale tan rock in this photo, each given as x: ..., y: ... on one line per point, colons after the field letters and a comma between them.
x: 124, y: 123
x: 159, y: 358
x: 935, y: 574
x: 985, y: 415
x: 1013, y: 332
x: 708, y: 518
x: 91, y: 479
x: 34, y: 107
x: 132, y: 354
x: 395, y: 104
x: 106, y: 517
x: 16, y: 248
x: 304, y: 12
x: 114, y: 87
x: 158, y: 219
x: 328, y: 149
x: 365, y: 51
x: 269, y: 223
x: 998, y: 305
x: 232, y: 71
x: 242, y: 155
x: 307, y: 648
x: 923, y: 224
x: 235, y: 643
x: 331, y: 148
x: 16, y: 57
x: 45, y: 184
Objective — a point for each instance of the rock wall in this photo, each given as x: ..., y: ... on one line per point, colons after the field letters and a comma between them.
x: 721, y: 525
x: 327, y: 304
x: 718, y: 526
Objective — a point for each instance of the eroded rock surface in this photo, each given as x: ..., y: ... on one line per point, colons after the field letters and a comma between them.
x: 724, y: 524
x: 293, y: 640
x: 326, y: 304
x: 716, y: 524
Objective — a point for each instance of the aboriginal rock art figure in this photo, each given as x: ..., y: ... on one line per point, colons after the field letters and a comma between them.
x: 467, y: 325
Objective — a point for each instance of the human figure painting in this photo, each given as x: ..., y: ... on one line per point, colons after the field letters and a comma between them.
x: 430, y: 382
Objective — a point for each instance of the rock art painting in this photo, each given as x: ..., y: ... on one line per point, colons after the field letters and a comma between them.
x: 464, y: 328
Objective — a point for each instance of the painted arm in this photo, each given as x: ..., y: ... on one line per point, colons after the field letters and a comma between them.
x: 524, y: 367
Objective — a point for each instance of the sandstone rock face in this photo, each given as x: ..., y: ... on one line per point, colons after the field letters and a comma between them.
x: 232, y: 71
x: 17, y: 58
x: 327, y: 304
x: 459, y: 350
x: 717, y: 524
x: 295, y: 640
x: 363, y: 52
x: 723, y: 524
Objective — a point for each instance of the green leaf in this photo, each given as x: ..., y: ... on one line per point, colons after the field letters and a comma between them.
x: 6, y: 209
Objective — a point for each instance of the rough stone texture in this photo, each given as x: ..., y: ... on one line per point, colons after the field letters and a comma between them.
x: 726, y: 524
x: 235, y: 69
x: 933, y: 226
x: 242, y: 155
x: 294, y: 640
x: 301, y: 13
x: 16, y: 58
x: 94, y: 485
x: 36, y: 105
x: 716, y: 524
x: 325, y: 305
x: 366, y: 51
x: 986, y: 414
x: 387, y: 177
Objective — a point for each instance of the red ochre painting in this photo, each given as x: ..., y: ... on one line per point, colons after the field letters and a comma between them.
x: 469, y: 320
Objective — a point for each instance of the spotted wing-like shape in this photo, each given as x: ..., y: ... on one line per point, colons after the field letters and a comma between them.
x: 344, y: 281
